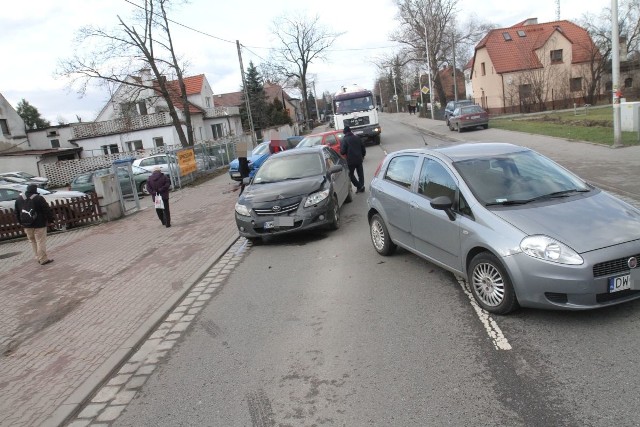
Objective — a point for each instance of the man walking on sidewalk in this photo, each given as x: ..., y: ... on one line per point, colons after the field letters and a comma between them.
x: 34, y: 214
x: 158, y: 185
x: 354, y: 149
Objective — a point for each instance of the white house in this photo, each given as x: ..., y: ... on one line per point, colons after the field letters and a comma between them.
x: 137, y: 118
x: 12, y: 128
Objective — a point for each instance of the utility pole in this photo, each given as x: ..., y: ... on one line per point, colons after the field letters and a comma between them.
x: 615, y: 67
x: 246, y: 100
x: 315, y: 98
x: 426, y: 42
x: 455, y: 83
x: 420, y: 89
x: 395, y: 91
x: 380, y: 90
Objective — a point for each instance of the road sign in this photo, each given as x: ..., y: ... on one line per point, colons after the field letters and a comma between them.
x: 425, y: 90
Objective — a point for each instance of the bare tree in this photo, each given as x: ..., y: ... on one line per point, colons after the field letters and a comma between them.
x: 302, y: 41
x: 433, y: 23
x: 113, y: 56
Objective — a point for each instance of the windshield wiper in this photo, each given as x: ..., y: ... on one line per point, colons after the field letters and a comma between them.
x: 554, y: 195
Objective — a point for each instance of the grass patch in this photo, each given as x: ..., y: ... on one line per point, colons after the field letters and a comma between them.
x: 596, y: 126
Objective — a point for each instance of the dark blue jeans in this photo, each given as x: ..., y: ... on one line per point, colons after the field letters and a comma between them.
x: 359, y: 183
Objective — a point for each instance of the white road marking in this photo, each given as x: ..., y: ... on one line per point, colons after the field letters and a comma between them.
x: 490, y: 325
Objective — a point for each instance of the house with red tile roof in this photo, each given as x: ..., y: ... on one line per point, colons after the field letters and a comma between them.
x: 137, y: 117
x: 532, y: 66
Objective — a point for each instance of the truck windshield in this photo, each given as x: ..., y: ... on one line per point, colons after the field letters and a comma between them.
x: 345, y: 106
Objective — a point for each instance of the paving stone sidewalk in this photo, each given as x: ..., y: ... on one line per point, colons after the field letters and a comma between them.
x: 65, y: 327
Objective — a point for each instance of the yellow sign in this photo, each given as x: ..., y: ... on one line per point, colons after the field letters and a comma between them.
x: 425, y: 90
x: 186, y: 161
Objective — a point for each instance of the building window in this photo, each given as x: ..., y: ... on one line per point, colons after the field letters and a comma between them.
x: 217, y: 131
x: 524, y: 91
x: 521, y: 33
x: 507, y: 36
x: 556, y: 55
x: 483, y: 69
x: 110, y: 149
x: 628, y: 82
x: 158, y: 142
x: 134, y: 145
x: 55, y: 143
x: 207, y: 102
x: 575, y: 84
x: 4, y: 127
x: 142, y: 107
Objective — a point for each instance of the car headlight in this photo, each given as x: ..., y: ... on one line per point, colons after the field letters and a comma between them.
x: 316, y: 198
x: 243, y: 210
x: 548, y: 249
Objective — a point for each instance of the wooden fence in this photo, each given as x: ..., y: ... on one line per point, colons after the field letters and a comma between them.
x: 68, y: 213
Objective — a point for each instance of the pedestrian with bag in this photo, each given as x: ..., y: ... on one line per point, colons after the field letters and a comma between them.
x: 158, y: 186
x: 353, y: 148
x: 34, y: 214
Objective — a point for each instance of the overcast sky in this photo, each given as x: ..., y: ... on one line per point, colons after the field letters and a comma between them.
x: 35, y: 34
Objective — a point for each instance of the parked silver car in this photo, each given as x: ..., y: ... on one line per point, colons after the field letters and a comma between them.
x: 20, y: 177
x: 520, y: 228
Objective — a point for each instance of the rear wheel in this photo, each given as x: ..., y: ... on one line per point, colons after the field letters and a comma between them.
x: 380, y: 236
x: 349, y: 197
x: 459, y: 128
x: 486, y: 126
x: 490, y: 284
x: 451, y: 128
x: 335, y: 215
x: 143, y: 188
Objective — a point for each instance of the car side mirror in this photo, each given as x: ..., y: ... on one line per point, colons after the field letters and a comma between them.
x: 444, y: 203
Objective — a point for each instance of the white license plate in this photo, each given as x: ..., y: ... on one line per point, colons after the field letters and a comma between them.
x: 358, y: 132
x: 475, y: 117
x: 285, y: 221
x: 619, y: 283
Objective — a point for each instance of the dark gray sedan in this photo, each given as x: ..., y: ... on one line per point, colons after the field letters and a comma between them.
x: 521, y: 229
x: 294, y: 190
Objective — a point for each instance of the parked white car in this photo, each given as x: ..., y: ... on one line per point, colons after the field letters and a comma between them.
x: 20, y: 177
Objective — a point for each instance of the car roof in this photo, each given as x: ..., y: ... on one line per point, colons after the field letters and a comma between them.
x: 467, y: 151
x: 301, y: 150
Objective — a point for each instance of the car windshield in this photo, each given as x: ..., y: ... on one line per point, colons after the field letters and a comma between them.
x: 364, y: 103
x: 517, y: 178
x: 310, y: 141
x: 471, y: 109
x: 261, y: 149
x: 281, y: 168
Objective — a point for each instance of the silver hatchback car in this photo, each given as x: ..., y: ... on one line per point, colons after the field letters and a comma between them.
x: 521, y: 229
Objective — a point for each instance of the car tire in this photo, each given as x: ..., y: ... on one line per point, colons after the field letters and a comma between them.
x: 491, y: 285
x: 143, y: 188
x: 459, y: 128
x: 335, y: 215
x: 376, y: 139
x: 380, y: 237
x: 486, y: 126
x: 451, y: 127
x: 349, y: 197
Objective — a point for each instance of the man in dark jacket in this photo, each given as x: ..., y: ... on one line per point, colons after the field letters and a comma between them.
x: 159, y: 183
x: 36, y: 230
x: 354, y: 149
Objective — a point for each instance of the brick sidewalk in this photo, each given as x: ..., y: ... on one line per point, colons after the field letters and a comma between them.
x: 66, y: 326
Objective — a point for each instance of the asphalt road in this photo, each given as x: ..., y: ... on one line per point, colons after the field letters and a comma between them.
x: 318, y: 329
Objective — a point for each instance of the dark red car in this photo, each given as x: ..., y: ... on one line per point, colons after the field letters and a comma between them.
x: 331, y: 138
x: 468, y: 116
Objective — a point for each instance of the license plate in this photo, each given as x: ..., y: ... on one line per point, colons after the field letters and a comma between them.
x: 619, y: 283
x: 285, y: 221
x: 358, y: 132
x: 475, y: 117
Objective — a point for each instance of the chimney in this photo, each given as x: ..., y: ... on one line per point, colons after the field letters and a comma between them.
x: 145, y: 75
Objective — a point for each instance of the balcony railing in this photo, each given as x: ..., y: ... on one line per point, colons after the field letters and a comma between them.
x: 125, y: 124
x: 210, y: 113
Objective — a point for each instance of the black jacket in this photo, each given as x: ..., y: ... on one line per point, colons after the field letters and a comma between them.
x: 158, y: 183
x: 353, y: 147
x: 43, y: 210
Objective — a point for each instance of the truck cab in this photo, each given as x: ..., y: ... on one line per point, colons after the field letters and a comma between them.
x: 355, y: 107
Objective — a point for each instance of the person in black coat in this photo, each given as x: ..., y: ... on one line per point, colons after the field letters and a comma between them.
x: 353, y: 148
x: 36, y: 231
x: 159, y: 183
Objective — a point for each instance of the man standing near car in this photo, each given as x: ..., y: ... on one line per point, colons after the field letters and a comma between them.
x: 37, y: 208
x: 353, y: 148
x: 159, y: 184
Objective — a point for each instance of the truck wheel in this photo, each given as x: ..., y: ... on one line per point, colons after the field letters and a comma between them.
x: 376, y: 139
